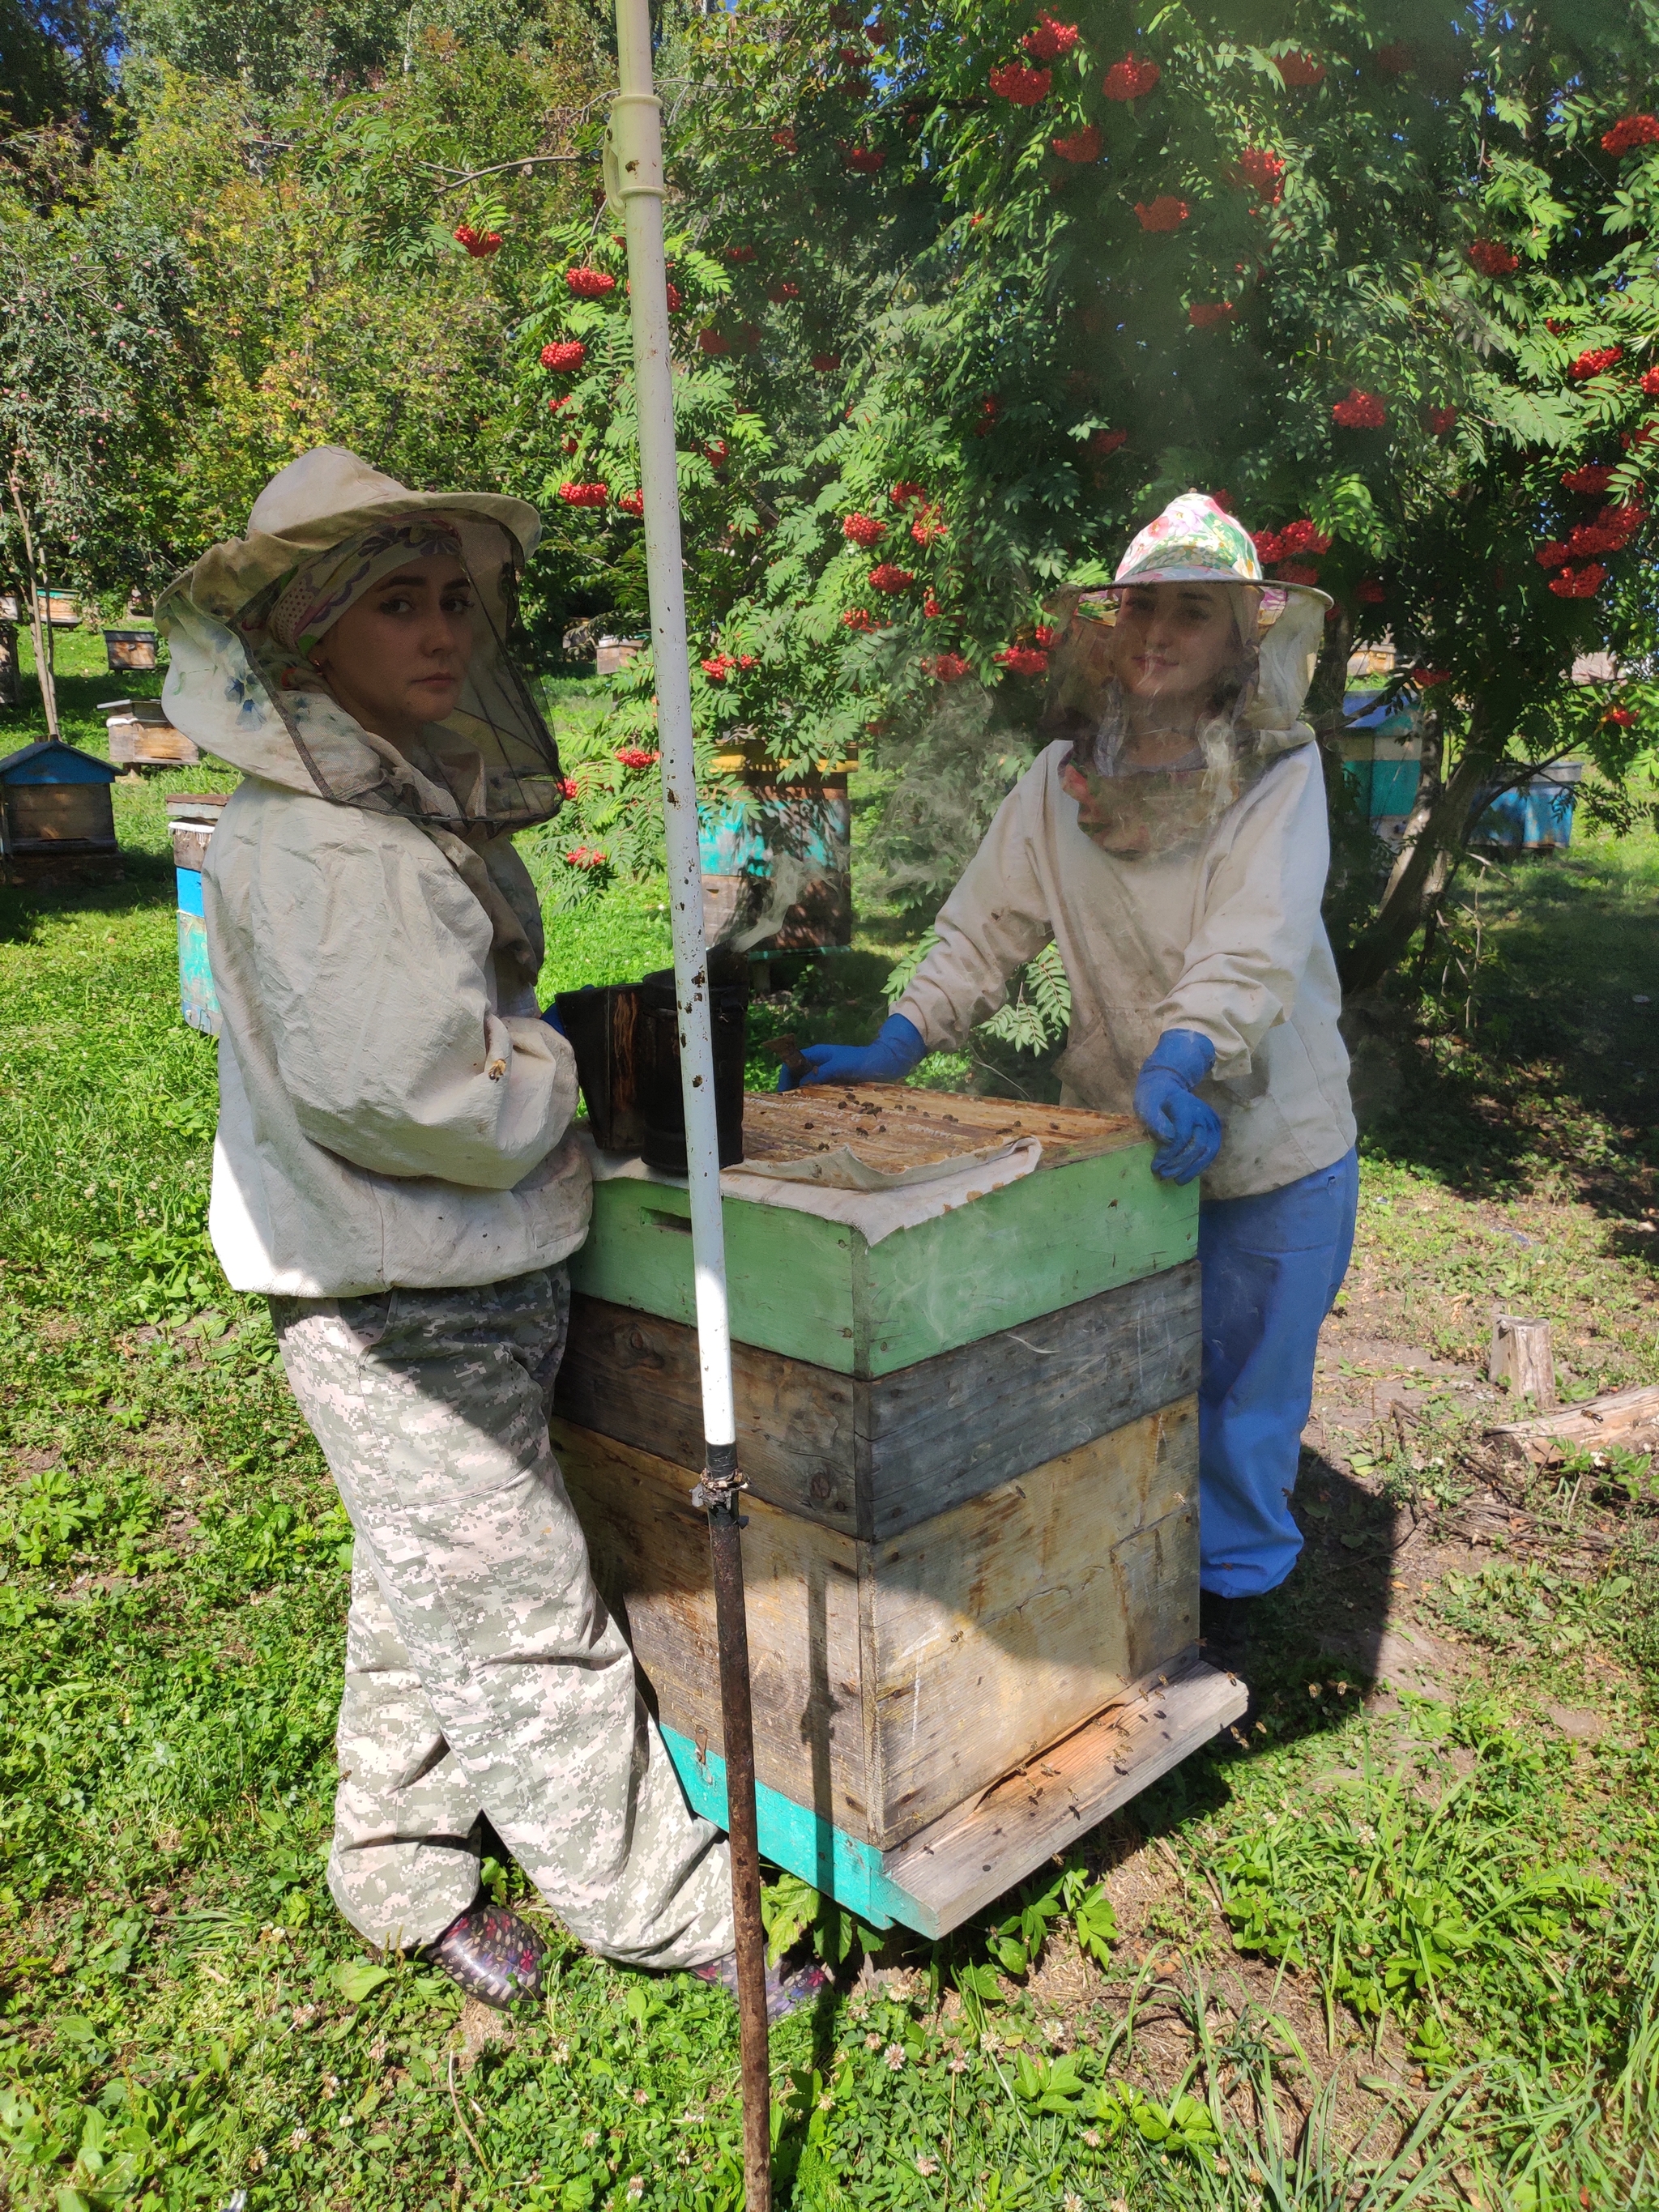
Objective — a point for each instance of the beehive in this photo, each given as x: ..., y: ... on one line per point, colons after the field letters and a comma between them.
x: 192, y: 818
x: 141, y: 734
x: 777, y: 862
x: 133, y: 649
x: 967, y: 1418
x: 56, y: 818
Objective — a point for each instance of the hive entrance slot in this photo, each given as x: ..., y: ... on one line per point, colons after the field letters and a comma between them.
x: 655, y: 1218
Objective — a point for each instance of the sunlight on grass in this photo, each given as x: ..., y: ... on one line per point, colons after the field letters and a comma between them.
x: 1410, y: 1941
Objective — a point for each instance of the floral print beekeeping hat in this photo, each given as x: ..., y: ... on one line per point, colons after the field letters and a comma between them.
x: 1195, y: 541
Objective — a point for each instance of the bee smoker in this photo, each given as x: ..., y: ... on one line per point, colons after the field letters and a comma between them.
x: 626, y: 1037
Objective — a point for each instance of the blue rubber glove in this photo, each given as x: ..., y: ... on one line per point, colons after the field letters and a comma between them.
x: 1189, y: 1131
x: 898, y: 1047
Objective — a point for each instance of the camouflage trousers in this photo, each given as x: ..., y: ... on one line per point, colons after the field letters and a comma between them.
x: 484, y: 1675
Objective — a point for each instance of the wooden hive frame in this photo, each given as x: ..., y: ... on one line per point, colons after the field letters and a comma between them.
x: 960, y: 1562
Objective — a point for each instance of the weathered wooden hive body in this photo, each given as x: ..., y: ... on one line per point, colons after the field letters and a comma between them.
x: 966, y: 1416
x: 141, y: 733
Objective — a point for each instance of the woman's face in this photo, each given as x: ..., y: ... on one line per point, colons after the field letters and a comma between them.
x: 1172, y: 641
x: 396, y: 658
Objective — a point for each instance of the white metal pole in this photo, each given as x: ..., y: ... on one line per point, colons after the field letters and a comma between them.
x: 634, y: 174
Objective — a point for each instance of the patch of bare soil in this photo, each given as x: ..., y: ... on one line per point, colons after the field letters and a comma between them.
x: 1383, y: 1401
x: 1172, y: 1929
x: 1175, y: 1966
x: 480, y: 2028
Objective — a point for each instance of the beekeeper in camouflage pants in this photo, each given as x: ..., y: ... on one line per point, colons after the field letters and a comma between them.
x: 397, y: 1170
x: 482, y: 1671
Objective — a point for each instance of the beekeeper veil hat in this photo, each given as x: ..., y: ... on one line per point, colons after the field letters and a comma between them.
x: 1153, y: 772
x: 241, y: 622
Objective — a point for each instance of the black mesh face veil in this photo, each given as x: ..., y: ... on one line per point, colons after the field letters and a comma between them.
x: 1155, y: 766
x: 491, y: 765
x: 496, y: 715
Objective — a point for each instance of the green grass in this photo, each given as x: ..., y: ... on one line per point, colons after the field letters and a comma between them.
x: 1535, y: 1069
x: 1404, y: 1953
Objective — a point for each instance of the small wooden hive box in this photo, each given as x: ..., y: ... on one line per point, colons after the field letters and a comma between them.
x: 132, y: 649
x: 141, y: 734
x: 56, y: 817
x: 966, y: 1414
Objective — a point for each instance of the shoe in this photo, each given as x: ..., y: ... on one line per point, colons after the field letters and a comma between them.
x: 785, y: 1991
x: 493, y: 1954
x: 1224, y: 1629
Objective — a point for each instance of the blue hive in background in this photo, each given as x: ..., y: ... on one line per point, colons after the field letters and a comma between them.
x: 56, y: 817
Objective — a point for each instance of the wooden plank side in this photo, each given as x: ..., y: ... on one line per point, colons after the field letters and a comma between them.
x: 634, y: 1377
x: 788, y: 1275
x: 952, y: 1428
x: 920, y: 1440
x: 650, y: 1549
x: 976, y: 1852
x: 998, y: 1626
x: 813, y: 1290
x: 1031, y: 1248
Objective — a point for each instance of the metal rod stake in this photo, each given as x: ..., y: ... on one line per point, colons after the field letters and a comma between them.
x: 633, y: 166
x: 721, y: 1483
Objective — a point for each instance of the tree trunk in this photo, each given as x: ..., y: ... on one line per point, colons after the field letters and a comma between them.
x: 1329, y: 686
x: 40, y: 629
x: 1431, y: 783
x: 1421, y: 873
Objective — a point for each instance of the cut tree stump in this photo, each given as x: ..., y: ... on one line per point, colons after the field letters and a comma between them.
x: 1522, y: 1358
x: 1629, y: 1418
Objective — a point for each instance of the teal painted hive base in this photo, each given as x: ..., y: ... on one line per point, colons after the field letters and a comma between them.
x: 795, y: 1838
x: 964, y: 1862
x: 197, y: 999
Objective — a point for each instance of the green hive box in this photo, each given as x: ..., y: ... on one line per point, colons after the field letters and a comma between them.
x: 971, y: 1448
x: 818, y: 1288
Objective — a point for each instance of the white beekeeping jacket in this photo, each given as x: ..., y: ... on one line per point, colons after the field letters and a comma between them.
x: 1222, y: 936
x: 393, y: 1113
x: 389, y: 1117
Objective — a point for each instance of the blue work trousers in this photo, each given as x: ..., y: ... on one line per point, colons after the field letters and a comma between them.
x: 1272, y: 1266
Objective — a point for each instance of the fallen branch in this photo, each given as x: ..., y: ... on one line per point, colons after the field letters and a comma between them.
x: 477, y: 2151
x: 1621, y: 1416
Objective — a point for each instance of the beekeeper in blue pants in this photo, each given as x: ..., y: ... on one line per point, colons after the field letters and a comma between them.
x: 1172, y: 842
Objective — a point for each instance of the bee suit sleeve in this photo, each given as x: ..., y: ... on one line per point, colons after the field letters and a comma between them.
x: 995, y: 920
x: 1258, y: 917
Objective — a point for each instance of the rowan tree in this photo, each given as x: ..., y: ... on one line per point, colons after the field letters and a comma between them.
x: 995, y: 283
x: 243, y: 276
